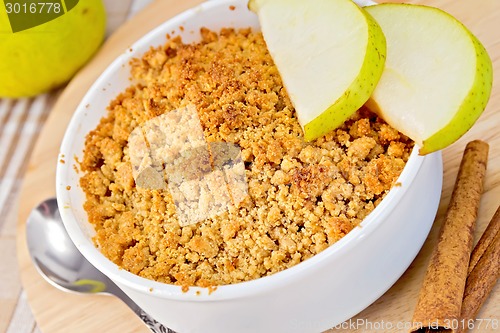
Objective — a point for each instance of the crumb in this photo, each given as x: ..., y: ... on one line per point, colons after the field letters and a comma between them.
x: 62, y: 161
x: 68, y: 187
x: 211, y: 289
x: 181, y: 28
x: 185, y: 288
x: 232, y: 7
x: 77, y: 163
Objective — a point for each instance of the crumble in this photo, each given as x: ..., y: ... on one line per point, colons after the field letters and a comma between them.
x: 302, y: 196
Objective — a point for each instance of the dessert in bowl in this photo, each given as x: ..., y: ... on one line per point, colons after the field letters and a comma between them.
x: 321, y: 288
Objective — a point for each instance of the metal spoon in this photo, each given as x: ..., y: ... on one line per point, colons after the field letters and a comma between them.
x: 59, y: 261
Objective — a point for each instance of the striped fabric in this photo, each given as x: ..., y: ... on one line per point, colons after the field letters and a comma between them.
x: 21, y: 121
x: 20, y: 124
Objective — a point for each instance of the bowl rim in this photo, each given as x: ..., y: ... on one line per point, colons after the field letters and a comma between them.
x: 221, y: 292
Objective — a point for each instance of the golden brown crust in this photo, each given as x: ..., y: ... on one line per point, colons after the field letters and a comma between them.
x: 302, y: 198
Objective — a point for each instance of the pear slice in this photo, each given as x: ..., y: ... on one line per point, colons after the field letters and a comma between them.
x: 438, y: 76
x: 330, y: 55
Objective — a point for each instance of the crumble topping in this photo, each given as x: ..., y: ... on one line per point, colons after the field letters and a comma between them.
x: 302, y: 196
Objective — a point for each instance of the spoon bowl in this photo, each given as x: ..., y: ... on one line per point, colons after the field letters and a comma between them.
x: 61, y: 264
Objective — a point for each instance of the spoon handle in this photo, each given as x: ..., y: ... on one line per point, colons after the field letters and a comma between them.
x: 149, y: 321
x: 153, y: 325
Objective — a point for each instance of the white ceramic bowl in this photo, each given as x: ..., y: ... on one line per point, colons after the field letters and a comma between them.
x: 310, y: 297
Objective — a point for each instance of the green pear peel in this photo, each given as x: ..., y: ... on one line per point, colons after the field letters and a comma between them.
x: 344, y: 94
x: 472, y: 107
x: 359, y: 91
x: 462, y: 111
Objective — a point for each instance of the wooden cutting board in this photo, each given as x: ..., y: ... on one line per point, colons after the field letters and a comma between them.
x: 56, y: 311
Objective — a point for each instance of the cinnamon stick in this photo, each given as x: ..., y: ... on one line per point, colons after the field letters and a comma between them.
x: 484, y: 274
x: 486, y: 239
x: 440, y: 299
